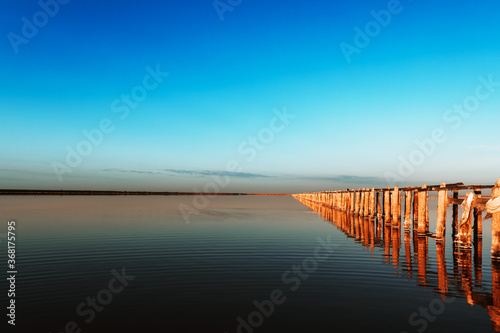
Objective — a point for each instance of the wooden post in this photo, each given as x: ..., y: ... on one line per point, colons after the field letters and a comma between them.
x: 387, y: 205
x: 495, y: 224
x: 465, y: 227
x: 415, y: 208
x: 372, y: 203
x: 478, y: 217
x: 356, y: 202
x: 422, y: 228
x: 408, y: 209
x: 396, y: 207
x: 362, y: 203
x: 441, y: 213
x: 379, y: 206
x: 367, y: 203
x: 426, y: 202
x: 455, y: 215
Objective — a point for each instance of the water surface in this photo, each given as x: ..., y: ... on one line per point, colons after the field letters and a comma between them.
x: 209, y: 274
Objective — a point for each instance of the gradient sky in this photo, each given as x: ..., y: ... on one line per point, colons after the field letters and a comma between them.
x: 353, y: 124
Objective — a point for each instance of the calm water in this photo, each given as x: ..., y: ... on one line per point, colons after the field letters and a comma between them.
x: 244, y: 264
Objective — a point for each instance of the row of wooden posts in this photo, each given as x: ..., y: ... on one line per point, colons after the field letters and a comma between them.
x: 386, y: 204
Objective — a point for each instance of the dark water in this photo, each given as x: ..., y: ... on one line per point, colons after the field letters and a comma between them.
x: 244, y: 264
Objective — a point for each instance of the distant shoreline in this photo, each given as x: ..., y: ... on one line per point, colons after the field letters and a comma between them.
x: 88, y: 192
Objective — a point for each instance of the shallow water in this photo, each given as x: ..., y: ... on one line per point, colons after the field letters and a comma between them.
x: 221, y: 272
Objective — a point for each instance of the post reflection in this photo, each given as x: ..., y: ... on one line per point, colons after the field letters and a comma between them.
x: 422, y: 253
x: 407, y: 240
x: 396, y: 244
x: 372, y: 234
x: 387, y: 242
x: 441, y: 266
x: 494, y: 307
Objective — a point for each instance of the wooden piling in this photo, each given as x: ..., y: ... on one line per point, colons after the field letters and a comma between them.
x: 455, y: 215
x: 395, y: 207
x: 495, y: 223
x: 372, y: 203
x: 422, y: 228
x: 464, y: 238
x: 356, y: 204
x: 408, y: 209
x: 441, y: 213
x: 387, y: 205
x: 426, y: 203
x: 367, y: 206
x: 362, y: 203
x: 415, y: 208
x: 379, y: 206
x: 478, y: 217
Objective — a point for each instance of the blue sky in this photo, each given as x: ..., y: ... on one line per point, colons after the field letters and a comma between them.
x: 353, y: 120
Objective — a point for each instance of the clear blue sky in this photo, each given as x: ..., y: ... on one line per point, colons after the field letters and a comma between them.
x: 354, y: 116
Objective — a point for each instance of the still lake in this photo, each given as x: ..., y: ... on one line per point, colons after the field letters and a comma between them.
x: 243, y: 264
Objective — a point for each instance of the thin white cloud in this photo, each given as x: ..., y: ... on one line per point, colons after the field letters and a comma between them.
x: 484, y: 147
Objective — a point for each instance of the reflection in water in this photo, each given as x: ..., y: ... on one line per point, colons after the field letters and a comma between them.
x: 422, y: 260
x: 478, y: 261
x: 408, y: 253
x: 396, y: 236
x: 494, y: 308
x: 460, y: 282
x: 441, y: 266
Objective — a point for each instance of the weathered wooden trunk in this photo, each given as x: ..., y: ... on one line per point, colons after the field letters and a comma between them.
x: 422, y: 224
x: 495, y: 223
x: 464, y: 238
x: 441, y: 213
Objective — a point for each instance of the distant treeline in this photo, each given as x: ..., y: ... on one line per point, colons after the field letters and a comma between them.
x: 87, y: 192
